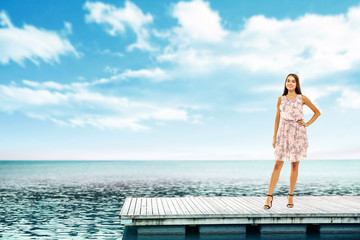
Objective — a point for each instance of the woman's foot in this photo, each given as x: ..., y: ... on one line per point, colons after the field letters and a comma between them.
x: 290, y: 201
x: 268, y: 202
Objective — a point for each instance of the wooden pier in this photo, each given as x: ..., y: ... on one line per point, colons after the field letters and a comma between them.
x: 171, y: 215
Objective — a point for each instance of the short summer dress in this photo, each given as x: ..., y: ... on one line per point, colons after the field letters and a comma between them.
x: 291, y: 140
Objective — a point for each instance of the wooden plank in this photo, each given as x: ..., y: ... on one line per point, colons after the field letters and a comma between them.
x: 228, y: 209
x: 209, y: 206
x: 182, y: 206
x: 242, y: 204
x: 333, y: 204
x: 251, y: 205
x: 215, y: 205
x: 160, y: 206
x: 132, y: 207
x: 166, y: 206
x: 227, y: 205
x: 351, y: 203
x: 177, y: 206
x: 126, y: 206
x: 299, y: 206
x: 231, y: 202
x: 154, y: 206
x: 188, y: 207
x: 171, y: 205
x: 203, y: 207
x: 311, y: 204
x: 148, y: 206
x: 188, y: 202
x: 254, y: 204
x: 240, y: 210
x: 350, y: 199
x: 143, y: 209
x: 137, y: 210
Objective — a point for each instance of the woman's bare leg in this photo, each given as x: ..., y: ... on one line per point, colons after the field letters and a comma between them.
x: 274, y: 179
x: 293, y: 178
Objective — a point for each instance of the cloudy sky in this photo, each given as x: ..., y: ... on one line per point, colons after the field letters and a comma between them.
x: 173, y: 80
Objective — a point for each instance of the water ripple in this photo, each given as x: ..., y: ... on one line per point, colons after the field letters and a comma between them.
x: 87, y: 206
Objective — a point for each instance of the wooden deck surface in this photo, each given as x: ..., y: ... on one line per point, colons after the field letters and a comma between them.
x: 239, y: 210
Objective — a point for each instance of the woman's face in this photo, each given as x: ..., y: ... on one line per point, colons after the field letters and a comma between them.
x: 290, y: 83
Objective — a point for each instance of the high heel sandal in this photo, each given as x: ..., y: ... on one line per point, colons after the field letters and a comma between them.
x: 269, y: 206
x: 290, y: 205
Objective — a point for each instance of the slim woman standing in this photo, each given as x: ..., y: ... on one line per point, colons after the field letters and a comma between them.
x: 291, y: 142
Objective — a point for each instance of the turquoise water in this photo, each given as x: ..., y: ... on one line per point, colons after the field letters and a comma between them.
x: 82, y: 199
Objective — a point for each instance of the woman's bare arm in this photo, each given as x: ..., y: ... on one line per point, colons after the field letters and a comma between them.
x: 316, y: 111
x: 277, y: 121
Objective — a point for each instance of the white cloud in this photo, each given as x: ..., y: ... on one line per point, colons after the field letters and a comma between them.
x: 75, y: 105
x: 5, y: 20
x: 350, y: 96
x: 269, y: 88
x: 116, y: 20
x: 12, y: 96
x: 349, y: 99
x: 169, y: 114
x: 108, y: 122
x: 251, y: 109
x: 313, y: 93
x: 111, y: 70
x: 308, y: 44
x: 198, y: 22
x: 191, y: 60
x: 29, y: 42
x: 46, y: 85
x: 252, y: 106
x: 68, y: 28
x: 107, y: 51
x: 156, y: 75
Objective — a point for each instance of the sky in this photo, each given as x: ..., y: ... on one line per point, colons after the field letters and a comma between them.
x: 174, y: 80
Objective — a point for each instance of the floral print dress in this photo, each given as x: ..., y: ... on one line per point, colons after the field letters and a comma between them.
x: 291, y: 140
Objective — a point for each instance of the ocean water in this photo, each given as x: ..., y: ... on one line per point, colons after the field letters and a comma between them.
x: 82, y: 199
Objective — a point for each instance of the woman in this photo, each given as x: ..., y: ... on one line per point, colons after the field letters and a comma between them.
x: 291, y: 143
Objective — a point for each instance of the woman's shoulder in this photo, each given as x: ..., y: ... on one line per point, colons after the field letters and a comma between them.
x: 280, y: 99
x: 303, y: 96
x: 304, y: 99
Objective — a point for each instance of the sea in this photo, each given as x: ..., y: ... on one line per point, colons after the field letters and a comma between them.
x: 83, y: 199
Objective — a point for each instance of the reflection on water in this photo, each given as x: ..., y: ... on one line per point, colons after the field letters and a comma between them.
x: 82, y: 200
x: 130, y: 234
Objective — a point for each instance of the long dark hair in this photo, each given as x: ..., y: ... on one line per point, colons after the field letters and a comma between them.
x: 297, y: 89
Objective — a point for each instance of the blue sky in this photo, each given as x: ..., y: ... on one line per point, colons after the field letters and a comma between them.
x: 174, y: 80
